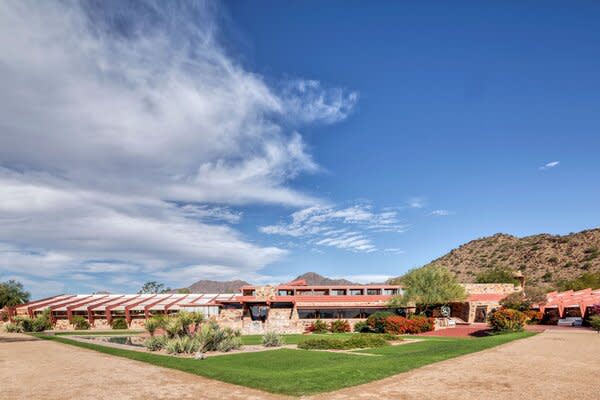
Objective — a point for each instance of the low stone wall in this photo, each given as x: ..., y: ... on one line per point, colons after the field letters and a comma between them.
x: 496, y: 288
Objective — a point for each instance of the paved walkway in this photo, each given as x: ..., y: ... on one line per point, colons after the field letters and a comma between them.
x: 559, y: 364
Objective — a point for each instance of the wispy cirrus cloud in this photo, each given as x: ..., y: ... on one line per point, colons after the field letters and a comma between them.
x: 441, y: 213
x: 129, y: 137
x: 343, y: 228
x: 551, y: 164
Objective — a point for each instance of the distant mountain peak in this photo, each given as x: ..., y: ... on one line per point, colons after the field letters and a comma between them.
x: 312, y: 278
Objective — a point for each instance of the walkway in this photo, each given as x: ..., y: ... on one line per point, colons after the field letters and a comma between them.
x: 557, y: 364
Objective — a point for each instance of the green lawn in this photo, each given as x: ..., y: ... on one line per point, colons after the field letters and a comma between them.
x: 303, y: 372
x: 291, y: 338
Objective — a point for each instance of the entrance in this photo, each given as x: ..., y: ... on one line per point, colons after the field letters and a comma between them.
x: 480, y: 313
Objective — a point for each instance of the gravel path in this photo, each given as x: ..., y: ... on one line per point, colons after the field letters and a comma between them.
x: 553, y: 365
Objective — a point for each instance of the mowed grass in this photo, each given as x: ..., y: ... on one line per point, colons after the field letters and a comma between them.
x: 304, y: 372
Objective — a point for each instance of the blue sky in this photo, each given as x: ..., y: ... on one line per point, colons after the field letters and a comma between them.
x: 262, y: 140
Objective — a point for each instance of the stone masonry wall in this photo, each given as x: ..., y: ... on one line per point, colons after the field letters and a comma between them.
x: 496, y: 288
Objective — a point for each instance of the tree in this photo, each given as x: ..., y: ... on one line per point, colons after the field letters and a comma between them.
x: 153, y: 287
x: 12, y: 294
x: 429, y: 286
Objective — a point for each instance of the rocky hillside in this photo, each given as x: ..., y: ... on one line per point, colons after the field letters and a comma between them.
x: 206, y: 286
x: 312, y: 278
x: 544, y: 259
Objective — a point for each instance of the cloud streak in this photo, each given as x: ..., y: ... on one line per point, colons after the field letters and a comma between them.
x: 129, y: 137
x: 552, y: 164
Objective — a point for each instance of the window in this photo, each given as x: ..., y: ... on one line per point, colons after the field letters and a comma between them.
x: 338, y: 292
x: 249, y: 292
x: 328, y: 314
x: 390, y: 292
x: 350, y: 313
x: 373, y: 292
x: 307, y: 314
x: 258, y: 313
x: 285, y: 292
x: 356, y: 292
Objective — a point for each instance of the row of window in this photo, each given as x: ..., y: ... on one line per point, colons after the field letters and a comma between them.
x: 339, y: 292
x: 345, y: 313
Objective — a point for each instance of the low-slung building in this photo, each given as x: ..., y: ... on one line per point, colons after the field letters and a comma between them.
x: 569, y: 304
x: 286, y: 308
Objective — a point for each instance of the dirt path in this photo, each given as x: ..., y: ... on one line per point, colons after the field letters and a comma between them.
x: 39, y: 369
x: 553, y: 365
x: 557, y: 364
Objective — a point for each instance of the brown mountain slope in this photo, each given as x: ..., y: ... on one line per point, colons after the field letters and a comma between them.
x: 206, y: 286
x: 544, y: 259
x: 312, y: 278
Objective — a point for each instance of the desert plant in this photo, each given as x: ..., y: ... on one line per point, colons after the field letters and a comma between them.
x: 25, y: 323
x: 155, y: 343
x: 80, y: 323
x: 214, y: 338
x: 11, y: 327
x: 507, y: 320
x: 340, y: 326
x: 595, y: 322
x: 119, y: 323
x: 42, y: 322
x: 153, y: 323
x: 317, y: 327
x: 272, y: 339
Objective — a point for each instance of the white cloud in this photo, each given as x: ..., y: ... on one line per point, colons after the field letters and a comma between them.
x: 128, y: 134
x: 549, y: 165
x: 416, y: 202
x: 441, y: 213
x: 394, y: 250
x: 344, y: 228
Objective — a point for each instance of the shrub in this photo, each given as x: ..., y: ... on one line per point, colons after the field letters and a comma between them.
x: 507, y: 320
x: 173, y: 327
x: 595, y: 322
x: 340, y: 326
x: 422, y: 324
x: 533, y: 316
x: 397, y: 325
x: 214, y: 338
x: 353, y: 342
x: 376, y: 321
x: 155, y: 343
x: 11, y: 327
x: 362, y: 327
x: 152, y: 324
x: 81, y: 323
x: 317, y: 327
x: 272, y: 339
x: 25, y: 323
x: 119, y: 323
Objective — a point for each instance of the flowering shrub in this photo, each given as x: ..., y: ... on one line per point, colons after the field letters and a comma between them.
x: 317, y: 327
x: 376, y: 321
x: 396, y: 325
x: 422, y: 324
x: 534, y: 317
x: 340, y: 326
x: 507, y: 320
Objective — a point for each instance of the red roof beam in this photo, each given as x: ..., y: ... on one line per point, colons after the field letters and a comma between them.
x: 30, y: 309
x: 96, y: 305
x: 167, y: 306
x: 109, y: 308
x: 79, y: 304
x: 130, y: 306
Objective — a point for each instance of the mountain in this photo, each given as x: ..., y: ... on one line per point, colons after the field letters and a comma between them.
x: 545, y: 260
x: 312, y: 278
x: 206, y: 286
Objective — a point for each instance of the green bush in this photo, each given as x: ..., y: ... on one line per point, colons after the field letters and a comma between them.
x: 184, y: 344
x: 152, y: 324
x: 119, y: 323
x: 272, y: 339
x: 362, y: 327
x: 352, y: 342
x: 215, y: 338
x: 595, y: 322
x: 25, y: 323
x: 81, y: 323
x: 11, y: 327
x: 376, y: 321
x: 340, y: 326
x: 507, y: 320
x: 155, y: 343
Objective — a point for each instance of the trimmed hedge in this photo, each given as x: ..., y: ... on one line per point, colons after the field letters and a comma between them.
x: 353, y: 342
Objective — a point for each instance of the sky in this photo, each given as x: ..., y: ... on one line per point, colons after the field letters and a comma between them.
x: 178, y: 141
